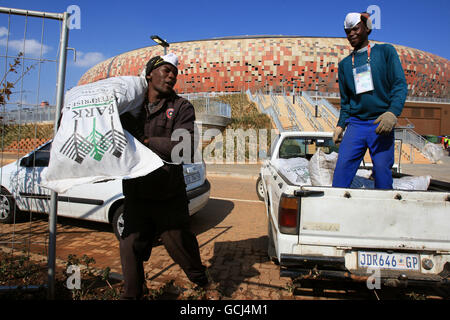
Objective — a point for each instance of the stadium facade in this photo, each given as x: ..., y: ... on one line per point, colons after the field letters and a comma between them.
x: 286, y: 64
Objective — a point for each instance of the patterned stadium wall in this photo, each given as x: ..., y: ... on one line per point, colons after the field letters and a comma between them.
x: 303, y: 63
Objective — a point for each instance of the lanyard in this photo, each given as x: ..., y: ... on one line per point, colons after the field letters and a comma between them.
x: 368, y: 56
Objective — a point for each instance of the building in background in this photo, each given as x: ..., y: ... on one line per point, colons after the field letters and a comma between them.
x: 283, y: 64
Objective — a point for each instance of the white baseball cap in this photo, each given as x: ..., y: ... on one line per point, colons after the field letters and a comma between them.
x: 171, y: 58
x: 157, y: 61
x: 353, y: 18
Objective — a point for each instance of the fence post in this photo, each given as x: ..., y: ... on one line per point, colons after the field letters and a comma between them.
x: 54, y: 196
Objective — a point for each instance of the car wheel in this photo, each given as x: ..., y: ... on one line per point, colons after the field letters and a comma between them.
x: 7, y: 207
x: 117, y: 222
x: 260, y: 188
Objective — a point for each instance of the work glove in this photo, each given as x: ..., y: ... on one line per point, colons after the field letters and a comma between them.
x: 337, y: 135
x: 386, y: 122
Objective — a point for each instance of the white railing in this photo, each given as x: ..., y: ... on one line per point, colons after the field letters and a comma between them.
x: 296, y: 125
x: 28, y: 114
x: 308, y: 113
x: 204, y: 104
x: 332, y: 109
x: 411, y: 137
x: 408, y: 98
x: 256, y: 98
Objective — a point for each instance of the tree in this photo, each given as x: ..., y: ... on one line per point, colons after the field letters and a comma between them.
x: 6, y: 87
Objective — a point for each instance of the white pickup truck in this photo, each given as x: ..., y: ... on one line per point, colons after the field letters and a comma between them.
x: 322, y: 232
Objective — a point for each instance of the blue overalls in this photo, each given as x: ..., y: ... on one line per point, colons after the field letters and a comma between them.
x: 359, y: 136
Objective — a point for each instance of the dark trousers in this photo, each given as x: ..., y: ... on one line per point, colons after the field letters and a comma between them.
x: 182, y: 246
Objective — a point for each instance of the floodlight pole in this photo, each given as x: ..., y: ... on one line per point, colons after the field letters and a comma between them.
x: 163, y: 43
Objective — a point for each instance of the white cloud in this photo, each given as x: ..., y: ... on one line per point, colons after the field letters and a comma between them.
x: 88, y: 59
x: 30, y: 47
x: 3, y: 31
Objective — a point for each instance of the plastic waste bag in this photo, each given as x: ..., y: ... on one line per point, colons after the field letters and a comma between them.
x: 418, y: 183
x: 434, y: 152
x: 321, y: 168
x: 412, y: 183
x: 295, y: 170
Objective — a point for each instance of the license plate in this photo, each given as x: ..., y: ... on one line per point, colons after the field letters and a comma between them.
x: 384, y: 260
x: 192, y: 178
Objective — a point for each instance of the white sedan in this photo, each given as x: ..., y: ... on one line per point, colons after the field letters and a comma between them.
x: 100, y: 201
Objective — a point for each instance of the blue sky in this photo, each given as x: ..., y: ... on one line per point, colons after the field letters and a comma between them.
x: 108, y: 28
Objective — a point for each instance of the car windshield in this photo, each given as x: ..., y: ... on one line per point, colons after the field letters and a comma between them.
x: 294, y: 147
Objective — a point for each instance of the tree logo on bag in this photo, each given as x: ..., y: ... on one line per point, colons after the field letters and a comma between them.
x: 95, y: 144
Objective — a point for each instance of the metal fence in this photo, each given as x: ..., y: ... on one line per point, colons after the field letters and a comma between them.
x: 28, y: 114
x: 33, y: 47
x: 408, y: 98
x: 205, y: 103
x: 17, y: 113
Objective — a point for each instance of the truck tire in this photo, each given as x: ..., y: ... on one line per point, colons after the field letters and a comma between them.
x: 260, y: 188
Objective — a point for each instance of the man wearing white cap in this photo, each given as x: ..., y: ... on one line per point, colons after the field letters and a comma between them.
x: 373, y: 91
x: 157, y: 204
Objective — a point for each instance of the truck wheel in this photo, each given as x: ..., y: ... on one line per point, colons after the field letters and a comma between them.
x: 117, y: 222
x: 7, y: 207
x: 260, y: 189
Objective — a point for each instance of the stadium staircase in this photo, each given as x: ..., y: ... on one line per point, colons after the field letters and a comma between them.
x: 297, y: 113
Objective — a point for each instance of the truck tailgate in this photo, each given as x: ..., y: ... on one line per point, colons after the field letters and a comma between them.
x: 384, y: 219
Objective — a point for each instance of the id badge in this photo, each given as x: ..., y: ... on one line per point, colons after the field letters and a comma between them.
x: 363, y: 78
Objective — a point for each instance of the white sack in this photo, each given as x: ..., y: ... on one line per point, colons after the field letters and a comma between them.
x: 91, y: 144
x: 412, y: 183
x: 294, y: 169
x: 418, y: 183
x: 434, y: 152
x: 321, y: 168
x: 364, y: 173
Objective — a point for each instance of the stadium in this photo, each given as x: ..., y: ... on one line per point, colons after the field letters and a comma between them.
x: 291, y: 65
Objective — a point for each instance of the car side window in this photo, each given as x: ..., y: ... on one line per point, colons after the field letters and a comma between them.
x: 39, y: 158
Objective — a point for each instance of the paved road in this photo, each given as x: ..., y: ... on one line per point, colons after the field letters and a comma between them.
x: 230, y: 231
